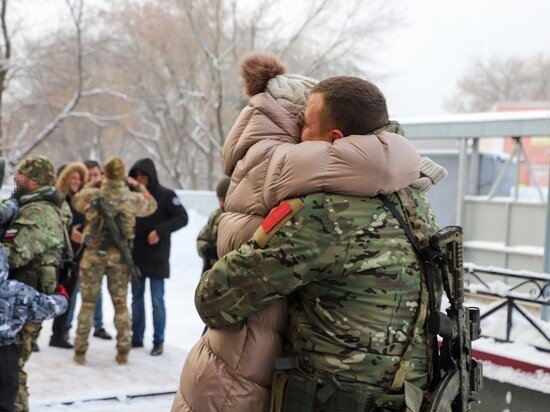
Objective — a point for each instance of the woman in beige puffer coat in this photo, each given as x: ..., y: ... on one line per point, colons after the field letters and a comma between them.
x: 230, y: 369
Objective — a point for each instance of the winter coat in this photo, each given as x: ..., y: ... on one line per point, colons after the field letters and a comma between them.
x: 20, y: 303
x: 36, y: 241
x: 230, y: 368
x: 154, y: 260
x: 62, y: 186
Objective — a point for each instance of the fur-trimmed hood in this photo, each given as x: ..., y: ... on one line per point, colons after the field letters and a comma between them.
x: 62, y: 184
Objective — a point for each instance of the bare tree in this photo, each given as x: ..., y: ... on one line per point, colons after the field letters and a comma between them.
x: 5, y: 51
x: 498, y: 79
x: 182, y: 57
x: 160, y: 78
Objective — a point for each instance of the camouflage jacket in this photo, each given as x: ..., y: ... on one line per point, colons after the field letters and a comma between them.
x: 125, y: 206
x: 36, y: 241
x: 21, y: 303
x: 351, y: 277
x: 206, y: 241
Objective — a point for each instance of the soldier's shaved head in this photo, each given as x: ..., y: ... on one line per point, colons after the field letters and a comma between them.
x: 352, y: 105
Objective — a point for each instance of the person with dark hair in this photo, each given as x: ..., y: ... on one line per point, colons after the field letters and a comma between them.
x: 151, y: 253
x: 125, y: 199
x: 357, y: 301
x: 94, y: 170
x: 348, y: 105
x: 208, y: 236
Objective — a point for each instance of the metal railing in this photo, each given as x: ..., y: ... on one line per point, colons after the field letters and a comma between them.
x: 520, y: 287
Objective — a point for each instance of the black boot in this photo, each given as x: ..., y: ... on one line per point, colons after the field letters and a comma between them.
x: 102, y: 334
x: 157, y: 349
x: 59, y: 341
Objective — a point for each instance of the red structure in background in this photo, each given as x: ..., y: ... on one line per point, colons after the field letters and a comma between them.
x: 537, y: 148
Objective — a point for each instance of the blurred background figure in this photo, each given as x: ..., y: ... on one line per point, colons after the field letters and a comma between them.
x: 71, y: 178
x: 151, y: 253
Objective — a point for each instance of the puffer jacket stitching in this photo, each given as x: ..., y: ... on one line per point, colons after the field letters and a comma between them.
x: 281, y: 126
x: 232, y: 371
x: 229, y: 390
x: 182, y: 400
x: 228, y: 169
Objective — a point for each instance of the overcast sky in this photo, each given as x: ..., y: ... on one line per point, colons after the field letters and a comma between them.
x: 424, y: 56
x: 427, y: 55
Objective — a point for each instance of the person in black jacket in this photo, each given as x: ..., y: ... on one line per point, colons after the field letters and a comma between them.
x: 151, y: 253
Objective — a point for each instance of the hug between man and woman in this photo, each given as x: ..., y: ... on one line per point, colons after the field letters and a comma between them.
x: 327, y: 278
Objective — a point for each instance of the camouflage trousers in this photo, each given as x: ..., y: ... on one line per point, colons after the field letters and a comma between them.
x: 24, y: 342
x: 94, y: 264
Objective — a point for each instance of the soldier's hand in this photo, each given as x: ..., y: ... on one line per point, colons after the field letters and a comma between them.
x: 76, y: 235
x: 133, y: 183
x: 153, y: 237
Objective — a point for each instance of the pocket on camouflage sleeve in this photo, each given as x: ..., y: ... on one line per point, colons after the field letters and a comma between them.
x: 47, y: 280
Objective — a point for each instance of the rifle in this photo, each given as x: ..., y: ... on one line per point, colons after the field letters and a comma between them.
x: 462, y: 375
x: 116, y: 238
x: 456, y: 375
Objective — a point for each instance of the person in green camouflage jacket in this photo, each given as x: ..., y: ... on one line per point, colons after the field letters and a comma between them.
x: 126, y: 199
x: 208, y: 236
x: 36, y: 242
x: 356, y: 295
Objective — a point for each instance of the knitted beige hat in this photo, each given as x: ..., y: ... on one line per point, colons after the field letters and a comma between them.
x: 265, y: 72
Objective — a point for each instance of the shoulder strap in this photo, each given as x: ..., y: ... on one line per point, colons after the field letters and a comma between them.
x: 428, y: 255
x: 68, y: 248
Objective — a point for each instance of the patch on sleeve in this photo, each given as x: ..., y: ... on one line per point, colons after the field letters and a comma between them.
x: 176, y: 201
x: 276, y: 219
x: 276, y: 215
x: 10, y: 234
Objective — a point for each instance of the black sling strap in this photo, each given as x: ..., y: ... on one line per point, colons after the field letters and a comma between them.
x: 428, y: 255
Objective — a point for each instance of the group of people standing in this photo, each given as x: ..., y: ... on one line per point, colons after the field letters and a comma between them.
x: 60, y: 240
x: 313, y: 295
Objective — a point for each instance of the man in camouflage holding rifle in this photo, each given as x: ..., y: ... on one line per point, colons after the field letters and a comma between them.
x: 36, y: 242
x: 126, y: 200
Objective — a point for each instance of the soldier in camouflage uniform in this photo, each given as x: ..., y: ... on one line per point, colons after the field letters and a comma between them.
x: 208, y: 236
x: 36, y: 242
x: 356, y: 295
x: 102, y: 257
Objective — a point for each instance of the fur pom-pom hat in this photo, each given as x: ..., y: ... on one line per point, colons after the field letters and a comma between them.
x: 265, y: 72
x: 115, y: 169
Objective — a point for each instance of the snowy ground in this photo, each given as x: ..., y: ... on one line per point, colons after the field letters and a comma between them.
x: 55, y: 380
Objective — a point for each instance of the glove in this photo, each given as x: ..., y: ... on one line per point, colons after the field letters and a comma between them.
x: 63, y: 292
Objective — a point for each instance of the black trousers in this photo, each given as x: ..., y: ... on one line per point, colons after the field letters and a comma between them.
x: 9, y: 377
x: 60, y: 323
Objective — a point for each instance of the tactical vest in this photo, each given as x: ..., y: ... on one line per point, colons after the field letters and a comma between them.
x: 42, y: 273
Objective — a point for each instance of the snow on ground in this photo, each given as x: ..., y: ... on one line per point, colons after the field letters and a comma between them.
x: 54, y: 379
